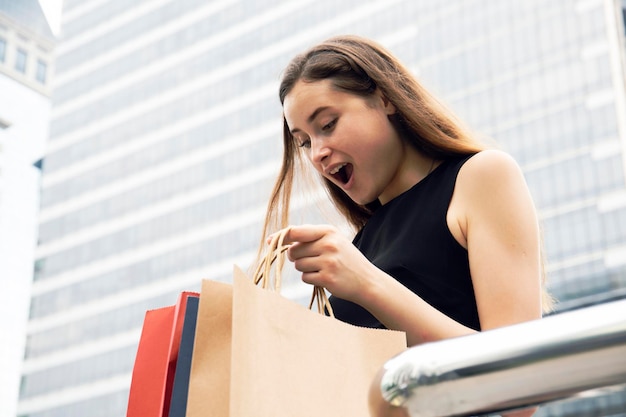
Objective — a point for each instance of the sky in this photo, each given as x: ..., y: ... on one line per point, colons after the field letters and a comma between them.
x: 52, y: 10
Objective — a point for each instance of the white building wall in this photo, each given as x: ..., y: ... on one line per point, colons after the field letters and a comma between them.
x: 26, y: 113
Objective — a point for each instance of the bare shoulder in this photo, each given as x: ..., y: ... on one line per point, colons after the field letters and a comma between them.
x: 488, y: 163
x: 491, y: 182
x: 489, y: 170
x: 489, y: 185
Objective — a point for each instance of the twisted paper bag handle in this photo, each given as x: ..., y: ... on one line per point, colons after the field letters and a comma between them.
x: 276, y: 254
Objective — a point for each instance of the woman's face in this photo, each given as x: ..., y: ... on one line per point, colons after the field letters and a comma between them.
x: 349, y: 140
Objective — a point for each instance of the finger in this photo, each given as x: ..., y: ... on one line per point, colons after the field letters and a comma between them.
x: 275, y: 237
x: 306, y: 233
x: 306, y: 265
x: 311, y: 278
x: 301, y: 250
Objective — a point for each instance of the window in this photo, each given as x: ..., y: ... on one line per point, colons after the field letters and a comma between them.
x: 20, y: 60
x: 3, y: 49
x: 42, y: 68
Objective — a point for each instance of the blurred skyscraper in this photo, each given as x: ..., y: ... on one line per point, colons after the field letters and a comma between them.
x: 166, y: 138
x: 26, y: 45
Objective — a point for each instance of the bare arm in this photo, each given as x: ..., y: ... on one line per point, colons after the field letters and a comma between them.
x: 500, y: 228
x: 492, y: 215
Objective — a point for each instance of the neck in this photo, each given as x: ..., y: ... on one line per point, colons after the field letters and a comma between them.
x: 414, y: 168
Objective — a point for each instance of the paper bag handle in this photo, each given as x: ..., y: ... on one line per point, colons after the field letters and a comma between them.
x: 276, y: 254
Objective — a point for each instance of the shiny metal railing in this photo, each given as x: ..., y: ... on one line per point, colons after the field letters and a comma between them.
x: 507, y: 368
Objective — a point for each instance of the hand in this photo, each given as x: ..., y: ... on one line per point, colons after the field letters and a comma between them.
x: 328, y: 259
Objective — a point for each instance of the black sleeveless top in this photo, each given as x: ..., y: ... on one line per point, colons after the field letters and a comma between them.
x: 408, y: 238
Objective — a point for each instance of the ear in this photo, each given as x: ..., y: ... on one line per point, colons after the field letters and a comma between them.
x: 387, y: 105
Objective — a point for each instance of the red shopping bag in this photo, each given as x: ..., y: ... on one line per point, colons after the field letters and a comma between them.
x: 155, y: 362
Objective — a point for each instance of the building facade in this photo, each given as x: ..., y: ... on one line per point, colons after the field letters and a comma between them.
x: 165, y: 140
x: 26, y: 47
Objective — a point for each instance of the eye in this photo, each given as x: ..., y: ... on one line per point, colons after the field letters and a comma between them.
x: 302, y: 140
x: 329, y: 126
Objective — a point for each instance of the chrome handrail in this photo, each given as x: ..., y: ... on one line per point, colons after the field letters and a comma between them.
x: 511, y: 367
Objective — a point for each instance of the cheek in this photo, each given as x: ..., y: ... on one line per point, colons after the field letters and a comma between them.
x: 378, y: 139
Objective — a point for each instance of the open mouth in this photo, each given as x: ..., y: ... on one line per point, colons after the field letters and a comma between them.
x: 342, y: 173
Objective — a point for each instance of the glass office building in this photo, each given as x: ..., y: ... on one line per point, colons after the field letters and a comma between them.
x: 165, y: 141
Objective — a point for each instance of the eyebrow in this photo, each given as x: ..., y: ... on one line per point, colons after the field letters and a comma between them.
x: 311, y: 117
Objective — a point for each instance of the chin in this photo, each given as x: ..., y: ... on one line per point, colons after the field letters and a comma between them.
x: 365, y: 201
x: 362, y: 199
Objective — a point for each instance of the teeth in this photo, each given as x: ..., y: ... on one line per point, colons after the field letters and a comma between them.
x: 337, y: 168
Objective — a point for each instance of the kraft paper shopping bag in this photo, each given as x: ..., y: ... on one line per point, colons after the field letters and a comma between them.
x: 260, y: 354
x: 290, y: 361
x: 209, y: 381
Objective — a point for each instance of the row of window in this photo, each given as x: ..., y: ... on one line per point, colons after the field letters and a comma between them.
x: 611, y: 402
x: 585, y: 280
x: 94, y: 328
x: 159, y: 267
x: 244, y: 77
x: 188, y: 141
x: 240, y: 14
x: 580, y: 232
x: 170, y: 46
x: 21, y: 62
x: 490, y: 42
x: 82, y: 371
x: 186, y: 180
x: 180, y: 222
x: 575, y: 179
x: 564, y: 129
x: 567, y: 83
x: 108, y: 405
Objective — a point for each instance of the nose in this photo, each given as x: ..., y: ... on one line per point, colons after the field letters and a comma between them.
x: 319, y: 151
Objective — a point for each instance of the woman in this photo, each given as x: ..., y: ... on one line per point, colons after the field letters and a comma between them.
x: 448, y: 241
